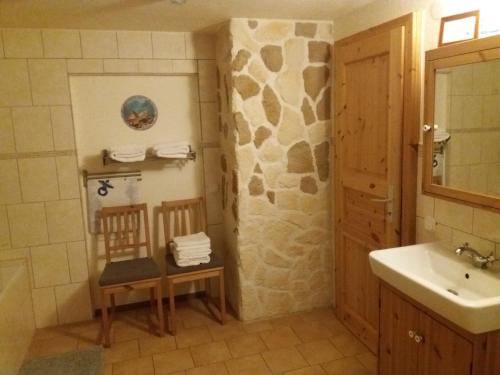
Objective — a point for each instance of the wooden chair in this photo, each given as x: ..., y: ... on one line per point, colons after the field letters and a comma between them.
x: 122, y: 234
x: 181, y: 218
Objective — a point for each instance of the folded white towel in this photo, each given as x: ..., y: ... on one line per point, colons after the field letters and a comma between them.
x: 177, y: 148
x: 127, y: 159
x: 127, y: 150
x: 196, y: 239
x: 183, y: 256
x: 191, y: 262
x: 191, y: 253
x: 169, y: 155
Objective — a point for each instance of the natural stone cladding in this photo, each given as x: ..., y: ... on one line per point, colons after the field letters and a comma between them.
x: 274, y: 95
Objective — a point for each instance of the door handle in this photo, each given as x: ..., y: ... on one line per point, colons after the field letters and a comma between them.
x: 388, y: 201
x: 381, y: 200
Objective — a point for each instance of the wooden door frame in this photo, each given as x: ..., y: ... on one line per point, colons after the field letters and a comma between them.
x: 410, y: 132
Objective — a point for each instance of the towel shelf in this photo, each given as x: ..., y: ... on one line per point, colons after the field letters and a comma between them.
x: 106, y: 159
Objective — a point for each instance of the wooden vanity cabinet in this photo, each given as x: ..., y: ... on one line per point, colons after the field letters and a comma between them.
x: 415, y: 341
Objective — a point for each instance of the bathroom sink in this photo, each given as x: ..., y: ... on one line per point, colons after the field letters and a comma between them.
x: 444, y: 282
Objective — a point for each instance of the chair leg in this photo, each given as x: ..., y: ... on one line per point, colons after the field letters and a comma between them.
x: 171, y: 302
x: 105, y: 318
x: 222, y: 298
x: 152, y: 299
x: 159, y: 303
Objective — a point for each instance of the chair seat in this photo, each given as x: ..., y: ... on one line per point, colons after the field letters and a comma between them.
x: 174, y: 269
x: 127, y: 271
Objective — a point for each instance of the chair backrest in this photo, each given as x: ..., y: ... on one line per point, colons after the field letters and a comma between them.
x: 183, y: 217
x: 122, y: 228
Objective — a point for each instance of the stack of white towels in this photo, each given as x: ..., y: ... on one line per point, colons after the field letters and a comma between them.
x: 172, y: 150
x: 191, y: 250
x: 127, y: 154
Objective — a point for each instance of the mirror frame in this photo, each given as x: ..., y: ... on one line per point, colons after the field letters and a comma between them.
x: 464, y: 53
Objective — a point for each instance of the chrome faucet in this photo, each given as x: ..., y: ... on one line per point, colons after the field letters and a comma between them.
x: 478, y: 260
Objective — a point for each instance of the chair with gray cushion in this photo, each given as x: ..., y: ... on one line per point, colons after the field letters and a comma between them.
x: 181, y: 218
x: 124, y: 235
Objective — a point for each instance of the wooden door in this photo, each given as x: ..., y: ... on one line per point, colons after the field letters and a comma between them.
x: 369, y: 74
x: 443, y: 351
x: 399, y: 322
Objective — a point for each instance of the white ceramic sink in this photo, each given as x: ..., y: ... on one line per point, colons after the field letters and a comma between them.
x: 444, y: 282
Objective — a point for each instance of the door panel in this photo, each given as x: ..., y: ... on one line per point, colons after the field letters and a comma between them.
x: 369, y: 101
x: 398, y: 352
x: 443, y: 351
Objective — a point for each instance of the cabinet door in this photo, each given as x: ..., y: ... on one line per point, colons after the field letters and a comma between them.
x: 442, y: 351
x: 398, y: 351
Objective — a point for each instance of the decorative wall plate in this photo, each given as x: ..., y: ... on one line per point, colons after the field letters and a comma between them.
x: 139, y: 112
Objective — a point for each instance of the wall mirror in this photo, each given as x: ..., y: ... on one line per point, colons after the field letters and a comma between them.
x: 462, y: 122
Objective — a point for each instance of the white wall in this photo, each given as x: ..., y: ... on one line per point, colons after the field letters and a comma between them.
x: 96, y: 102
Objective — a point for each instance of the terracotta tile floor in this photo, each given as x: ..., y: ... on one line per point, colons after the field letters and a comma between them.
x: 308, y: 343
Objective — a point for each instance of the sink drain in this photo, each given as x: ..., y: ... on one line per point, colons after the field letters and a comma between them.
x: 452, y: 291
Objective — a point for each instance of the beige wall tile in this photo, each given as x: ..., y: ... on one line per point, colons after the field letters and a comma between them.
x: 211, y: 161
x: 15, y: 254
x: 458, y: 176
x: 487, y: 225
x: 62, y: 128
x: 64, y: 220
x: 61, y: 43
x: 10, y: 191
x: 67, y: 176
x: 465, y: 149
x: 491, y: 111
x: 453, y: 215
x: 490, y: 152
x: 85, y: 66
x: 7, y: 144
x: 134, y: 44
x: 14, y: 83
x: 478, y: 178
x: 425, y: 205
x: 99, y: 44
x: 169, y: 45
x: 49, y: 82
x: 493, y: 173
x: 184, y: 66
x: 200, y: 46
x: 121, y: 66
x: 28, y: 226
x: 481, y: 78
x: 217, y: 241
x: 4, y: 229
x: 441, y: 233
x: 50, y: 265
x: 73, y: 303
x: 207, y: 80
x: 44, y: 304
x: 38, y: 179
x: 32, y: 129
x: 77, y: 259
x: 209, y: 122
x: 22, y: 43
x: 155, y: 66
x: 461, y: 81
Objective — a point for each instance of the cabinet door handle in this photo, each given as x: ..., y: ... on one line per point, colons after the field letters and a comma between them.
x: 411, y: 334
x: 419, y: 339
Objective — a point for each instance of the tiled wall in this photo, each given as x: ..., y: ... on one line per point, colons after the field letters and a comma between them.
x: 473, y: 152
x: 40, y: 205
